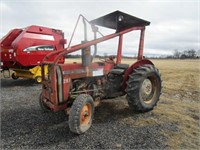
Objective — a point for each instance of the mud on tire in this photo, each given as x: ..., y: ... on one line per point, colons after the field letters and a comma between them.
x: 143, y: 88
x: 81, y: 114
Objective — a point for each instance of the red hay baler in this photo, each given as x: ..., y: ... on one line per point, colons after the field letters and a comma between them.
x: 22, y: 50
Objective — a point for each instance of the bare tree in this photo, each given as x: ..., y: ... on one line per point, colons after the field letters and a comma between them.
x: 198, y: 53
x: 177, y: 54
x: 191, y: 53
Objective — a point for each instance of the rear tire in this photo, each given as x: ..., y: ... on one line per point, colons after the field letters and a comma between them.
x: 143, y: 88
x: 81, y: 114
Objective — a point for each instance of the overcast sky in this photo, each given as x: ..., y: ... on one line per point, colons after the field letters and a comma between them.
x: 174, y: 24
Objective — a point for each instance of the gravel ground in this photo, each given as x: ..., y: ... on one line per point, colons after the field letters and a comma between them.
x: 24, y: 126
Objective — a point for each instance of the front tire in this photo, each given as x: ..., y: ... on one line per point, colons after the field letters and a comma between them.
x: 143, y: 88
x: 81, y: 114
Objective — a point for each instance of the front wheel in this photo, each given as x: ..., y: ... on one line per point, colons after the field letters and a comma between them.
x: 81, y: 114
x: 143, y: 88
x: 38, y: 79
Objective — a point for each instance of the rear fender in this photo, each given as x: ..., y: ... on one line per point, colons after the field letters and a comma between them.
x: 130, y: 70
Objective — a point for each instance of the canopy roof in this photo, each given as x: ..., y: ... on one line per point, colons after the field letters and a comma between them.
x: 119, y: 20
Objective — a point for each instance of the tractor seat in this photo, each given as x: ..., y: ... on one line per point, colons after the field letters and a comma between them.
x: 119, y: 69
x: 121, y: 66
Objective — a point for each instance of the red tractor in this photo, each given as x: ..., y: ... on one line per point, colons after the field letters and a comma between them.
x: 22, y: 50
x: 78, y: 87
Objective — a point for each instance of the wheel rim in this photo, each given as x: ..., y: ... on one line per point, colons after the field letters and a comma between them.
x: 86, y: 113
x: 14, y: 76
x: 39, y: 79
x: 147, y: 91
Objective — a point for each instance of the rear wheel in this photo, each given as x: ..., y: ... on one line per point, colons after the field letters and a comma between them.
x: 143, y: 88
x: 81, y: 114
